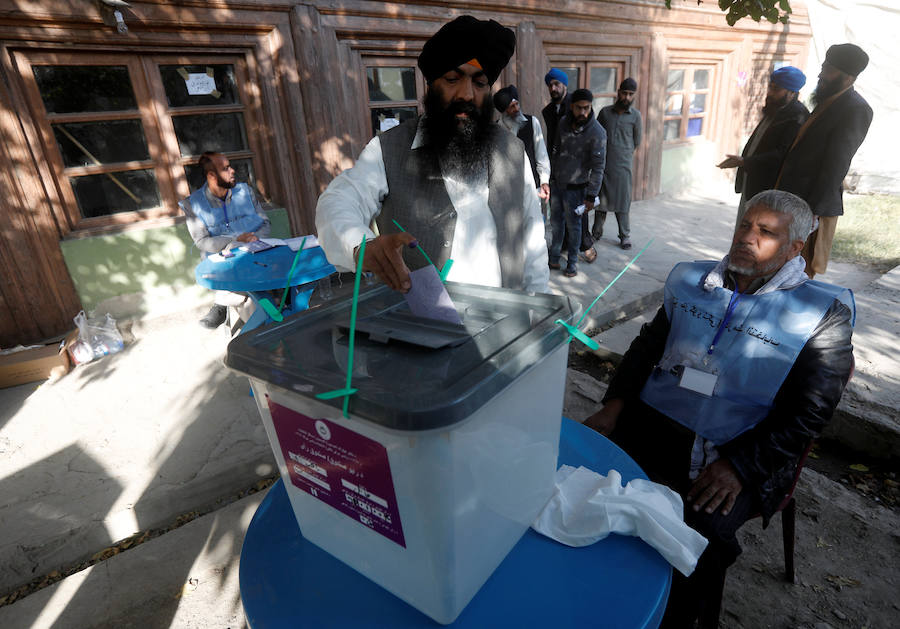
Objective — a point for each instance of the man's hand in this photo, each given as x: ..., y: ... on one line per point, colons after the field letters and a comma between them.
x: 718, y: 484
x: 247, y: 237
x: 588, y: 205
x: 731, y: 161
x: 544, y: 191
x: 383, y: 257
x: 604, y: 420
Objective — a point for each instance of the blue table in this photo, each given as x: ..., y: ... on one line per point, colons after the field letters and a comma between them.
x: 617, y: 582
x: 256, y: 273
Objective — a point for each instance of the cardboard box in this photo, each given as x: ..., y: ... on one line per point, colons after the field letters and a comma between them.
x: 31, y: 365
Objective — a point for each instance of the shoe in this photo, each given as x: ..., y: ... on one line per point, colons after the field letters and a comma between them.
x: 597, y: 234
x: 571, y: 271
x: 214, y: 318
x: 625, y: 243
x: 554, y: 265
x: 589, y: 255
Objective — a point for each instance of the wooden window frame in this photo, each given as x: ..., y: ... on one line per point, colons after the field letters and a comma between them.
x: 157, y: 121
x: 584, y: 65
x: 369, y: 61
x: 686, y: 92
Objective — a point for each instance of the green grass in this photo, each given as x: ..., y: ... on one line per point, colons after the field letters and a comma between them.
x: 869, y: 231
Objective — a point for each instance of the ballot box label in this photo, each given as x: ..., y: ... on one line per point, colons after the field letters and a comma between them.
x: 342, y: 468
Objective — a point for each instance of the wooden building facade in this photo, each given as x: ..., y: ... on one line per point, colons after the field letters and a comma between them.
x: 104, y: 111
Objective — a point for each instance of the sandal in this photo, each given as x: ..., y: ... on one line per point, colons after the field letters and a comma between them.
x: 589, y: 255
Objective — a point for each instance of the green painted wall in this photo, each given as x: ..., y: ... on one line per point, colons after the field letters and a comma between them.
x: 140, y: 271
x: 684, y: 165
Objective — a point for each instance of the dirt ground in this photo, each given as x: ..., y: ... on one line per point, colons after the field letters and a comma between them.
x: 847, y: 549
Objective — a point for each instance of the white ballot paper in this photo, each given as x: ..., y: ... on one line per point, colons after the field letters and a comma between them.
x: 427, y: 296
x: 586, y: 507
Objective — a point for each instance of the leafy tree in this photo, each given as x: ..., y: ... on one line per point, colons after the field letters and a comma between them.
x: 772, y: 10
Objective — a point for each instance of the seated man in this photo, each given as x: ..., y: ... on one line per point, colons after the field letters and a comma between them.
x: 723, y: 391
x: 218, y: 214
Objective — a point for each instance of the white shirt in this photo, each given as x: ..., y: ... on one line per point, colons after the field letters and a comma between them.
x: 353, y: 199
x: 540, y: 147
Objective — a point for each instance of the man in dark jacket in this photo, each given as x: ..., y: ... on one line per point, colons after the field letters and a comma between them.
x: 783, y: 115
x: 576, y: 164
x: 723, y: 391
x: 815, y: 166
x: 558, y: 87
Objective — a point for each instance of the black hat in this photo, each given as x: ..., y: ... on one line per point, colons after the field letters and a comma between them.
x: 503, y: 98
x: 628, y: 85
x: 466, y: 39
x: 848, y: 58
x: 582, y: 94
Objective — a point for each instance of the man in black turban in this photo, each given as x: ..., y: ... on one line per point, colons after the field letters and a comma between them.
x: 455, y: 182
x: 819, y: 159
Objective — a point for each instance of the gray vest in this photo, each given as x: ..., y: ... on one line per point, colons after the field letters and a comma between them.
x: 418, y: 200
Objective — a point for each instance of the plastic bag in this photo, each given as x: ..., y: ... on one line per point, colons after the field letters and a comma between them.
x: 96, y: 338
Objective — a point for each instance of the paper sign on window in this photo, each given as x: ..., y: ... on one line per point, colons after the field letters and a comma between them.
x: 200, y: 84
x: 388, y: 123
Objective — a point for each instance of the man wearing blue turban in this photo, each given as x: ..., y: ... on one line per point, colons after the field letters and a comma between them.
x: 783, y: 115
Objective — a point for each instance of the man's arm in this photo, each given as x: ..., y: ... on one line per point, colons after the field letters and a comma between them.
x: 804, y: 403
x: 540, y: 154
x: 200, y: 234
x: 787, y: 131
x: 598, y: 164
x: 536, y: 276
x: 632, y: 373
x: 638, y: 132
x: 265, y: 229
x: 346, y: 208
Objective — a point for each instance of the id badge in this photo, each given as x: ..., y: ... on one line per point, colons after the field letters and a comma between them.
x: 698, y: 381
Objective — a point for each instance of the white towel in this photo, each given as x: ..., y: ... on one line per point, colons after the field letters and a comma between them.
x: 586, y: 507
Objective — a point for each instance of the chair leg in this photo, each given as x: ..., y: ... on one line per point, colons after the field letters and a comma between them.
x: 788, y: 521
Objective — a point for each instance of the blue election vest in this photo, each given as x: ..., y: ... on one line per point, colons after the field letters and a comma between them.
x: 236, y: 217
x: 753, y: 355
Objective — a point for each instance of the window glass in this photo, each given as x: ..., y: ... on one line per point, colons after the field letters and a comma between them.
x: 243, y: 173
x: 603, y: 80
x: 199, y: 85
x: 574, y: 74
x: 673, y: 108
x: 601, y: 102
x: 701, y: 79
x: 106, y: 142
x: 390, y: 84
x: 676, y: 81
x: 210, y: 132
x: 698, y: 103
x: 671, y: 128
x: 694, y: 127
x: 68, y: 89
x: 110, y: 193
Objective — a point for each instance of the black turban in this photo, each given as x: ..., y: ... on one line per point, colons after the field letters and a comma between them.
x: 628, y: 85
x: 848, y: 58
x: 466, y: 38
x: 503, y: 98
x: 582, y: 94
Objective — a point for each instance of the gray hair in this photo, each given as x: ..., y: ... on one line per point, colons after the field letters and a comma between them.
x: 780, y: 201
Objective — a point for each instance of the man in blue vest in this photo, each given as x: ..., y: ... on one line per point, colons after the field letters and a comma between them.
x: 457, y: 184
x: 720, y: 395
x: 529, y: 131
x: 220, y: 213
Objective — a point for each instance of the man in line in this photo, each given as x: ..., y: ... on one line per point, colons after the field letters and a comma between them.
x: 577, y: 163
x: 558, y: 86
x: 524, y: 127
x: 817, y: 162
x: 220, y: 213
x: 622, y: 122
x: 460, y: 186
x: 723, y: 391
x: 783, y: 115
